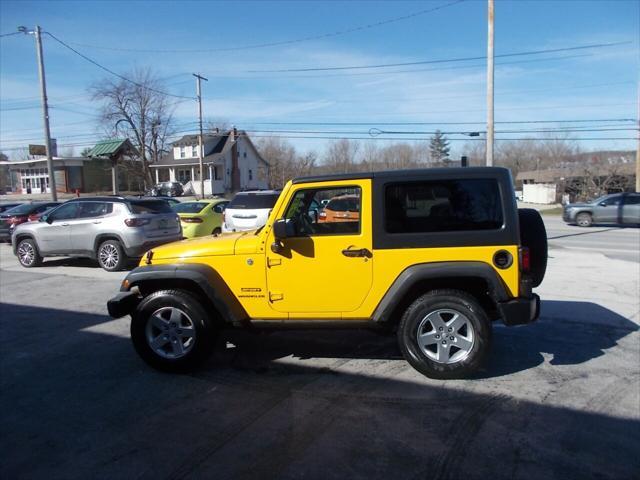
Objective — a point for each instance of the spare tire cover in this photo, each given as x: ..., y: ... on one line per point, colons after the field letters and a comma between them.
x: 533, y: 235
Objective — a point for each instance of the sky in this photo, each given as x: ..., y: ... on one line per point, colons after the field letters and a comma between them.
x: 248, y: 49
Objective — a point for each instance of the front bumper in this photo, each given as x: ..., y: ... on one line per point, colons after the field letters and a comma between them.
x: 123, y: 304
x: 520, y: 311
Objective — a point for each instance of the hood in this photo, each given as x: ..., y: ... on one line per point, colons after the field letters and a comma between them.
x: 225, y: 244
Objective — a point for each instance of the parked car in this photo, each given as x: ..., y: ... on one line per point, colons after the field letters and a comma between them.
x: 7, y: 206
x: 249, y: 210
x: 166, y: 189
x: 15, y: 216
x: 344, y: 208
x: 617, y: 208
x: 112, y: 230
x: 201, y: 218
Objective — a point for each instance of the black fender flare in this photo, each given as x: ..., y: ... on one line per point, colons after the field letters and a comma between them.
x: 205, y: 277
x: 435, y: 271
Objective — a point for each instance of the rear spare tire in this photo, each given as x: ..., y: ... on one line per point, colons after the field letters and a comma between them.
x: 533, y: 235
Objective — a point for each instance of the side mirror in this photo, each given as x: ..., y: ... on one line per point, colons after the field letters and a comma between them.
x: 46, y: 218
x: 281, y: 229
x: 603, y: 204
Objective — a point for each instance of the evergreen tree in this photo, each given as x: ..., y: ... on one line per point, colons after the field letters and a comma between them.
x: 439, y: 147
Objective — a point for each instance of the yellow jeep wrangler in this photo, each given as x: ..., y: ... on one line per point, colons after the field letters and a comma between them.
x: 434, y: 255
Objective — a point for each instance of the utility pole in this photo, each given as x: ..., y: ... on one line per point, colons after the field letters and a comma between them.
x: 200, y: 148
x: 490, y: 87
x: 638, y: 144
x: 45, y: 110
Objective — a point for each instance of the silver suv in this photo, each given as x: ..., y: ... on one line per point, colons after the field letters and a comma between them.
x: 112, y: 230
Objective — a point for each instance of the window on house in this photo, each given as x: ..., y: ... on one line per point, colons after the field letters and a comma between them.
x: 183, y: 152
x: 250, y: 175
x: 244, y: 154
x: 217, y: 173
x: 194, y: 151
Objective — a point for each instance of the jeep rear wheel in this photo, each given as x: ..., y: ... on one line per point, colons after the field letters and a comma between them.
x: 445, y: 334
x: 172, y: 331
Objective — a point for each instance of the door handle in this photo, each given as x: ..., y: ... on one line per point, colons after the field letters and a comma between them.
x: 359, y: 252
x: 65, y: 224
x: 97, y: 222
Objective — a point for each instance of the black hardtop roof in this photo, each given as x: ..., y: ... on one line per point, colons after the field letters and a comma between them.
x: 408, y: 174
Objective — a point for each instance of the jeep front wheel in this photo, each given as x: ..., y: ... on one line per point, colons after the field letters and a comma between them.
x: 172, y: 331
x: 445, y: 334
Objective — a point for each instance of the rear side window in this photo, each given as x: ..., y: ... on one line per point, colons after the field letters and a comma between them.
x: 191, y: 207
x: 443, y: 206
x: 632, y: 200
x: 149, y: 206
x: 253, y: 200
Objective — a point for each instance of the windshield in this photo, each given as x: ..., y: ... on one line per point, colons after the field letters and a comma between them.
x: 149, y: 206
x: 191, y: 207
x: 21, y: 209
x: 344, y: 205
x: 253, y: 200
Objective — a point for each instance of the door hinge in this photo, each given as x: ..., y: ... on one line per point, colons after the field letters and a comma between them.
x: 272, y: 262
x: 274, y: 297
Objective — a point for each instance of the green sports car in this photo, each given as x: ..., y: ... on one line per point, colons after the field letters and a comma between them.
x: 200, y: 218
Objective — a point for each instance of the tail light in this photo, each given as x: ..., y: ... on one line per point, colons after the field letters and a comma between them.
x: 16, y: 220
x: 322, y: 215
x: 525, y: 259
x: 224, y: 217
x: 191, y: 220
x: 136, y: 222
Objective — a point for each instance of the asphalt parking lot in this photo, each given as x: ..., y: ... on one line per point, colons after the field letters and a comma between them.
x: 557, y: 399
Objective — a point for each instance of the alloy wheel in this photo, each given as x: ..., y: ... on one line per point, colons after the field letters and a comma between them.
x: 26, y: 253
x: 446, y: 336
x: 109, y: 256
x: 170, y: 333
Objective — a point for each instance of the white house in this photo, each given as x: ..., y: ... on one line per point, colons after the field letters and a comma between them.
x: 231, y: 163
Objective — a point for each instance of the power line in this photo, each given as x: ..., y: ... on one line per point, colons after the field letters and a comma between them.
x: 9, y: 34
x: 114, y: 73
x: 392, y: 72
x: 444, y: 60
x: 282, y: 42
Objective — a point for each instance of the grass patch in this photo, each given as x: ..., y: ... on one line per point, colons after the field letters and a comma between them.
x: 552, y: 211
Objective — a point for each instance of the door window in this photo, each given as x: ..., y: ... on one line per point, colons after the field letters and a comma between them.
x: 339, y: 216
x: 65, y: 212
x: 94, y: 209
x: 611, y: 201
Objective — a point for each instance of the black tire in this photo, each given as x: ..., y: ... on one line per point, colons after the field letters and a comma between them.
x: 28, y: 253
x: 204, y: 327
x: 216, y: 231
x: 445, y: 302
x: 533, y: 235
x: 111, y: 257
x: 584, y: 219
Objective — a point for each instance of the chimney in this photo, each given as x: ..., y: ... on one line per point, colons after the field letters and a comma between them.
x: 235, y: 168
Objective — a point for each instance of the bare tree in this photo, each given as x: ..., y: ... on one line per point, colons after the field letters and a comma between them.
x: 284, y: 162
x: 139, y: 111
x: 341, y: 156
